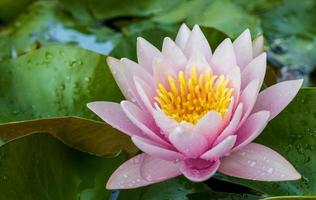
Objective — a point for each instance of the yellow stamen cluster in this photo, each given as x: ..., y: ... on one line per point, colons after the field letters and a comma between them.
x: 190, y: 98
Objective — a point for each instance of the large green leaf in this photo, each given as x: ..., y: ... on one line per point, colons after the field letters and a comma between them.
x: 85, y: 135
x: 39, y: 166
x: 52, y: 82
x: 293, y: 134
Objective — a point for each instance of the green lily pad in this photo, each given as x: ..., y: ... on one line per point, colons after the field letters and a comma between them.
x: 293, y: 134
x: 53, y: 82
x: 39, y: 166
x: 89, y: 136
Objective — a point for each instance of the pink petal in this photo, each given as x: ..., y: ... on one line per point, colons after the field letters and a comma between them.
x: 143, y: 121
x: 113, y: 114
x: 117, y: 70
x: 188, y: 142
x: 224, y: 58
x: 197, y: 173
x: 248, y: 99
x: 146, y: 94
x: 257, y: 46
x: 164, y: 122
x: 182, y: 36
x: 153, y: 168
x: 232, y: 126
x: 131, y: 173
x: 209, y: 126
x: 146, y: 52
x: 197, y: 42
x: 252, y: 127
x: 243, y: 49
x: 256, y: 69
x: 220, y: 149
x: 277, y: 97
x: 131, y: 70
x: 198, y: 61
x: 258, y: 162
x: 173, y: 54
x: 156, y: 150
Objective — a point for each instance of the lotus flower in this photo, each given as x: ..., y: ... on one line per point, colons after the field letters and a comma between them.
x: 193, y: 113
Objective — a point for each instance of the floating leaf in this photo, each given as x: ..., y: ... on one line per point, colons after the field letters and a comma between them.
x: 39, y: 166
x: 52, y: 82
x: 85, y: 135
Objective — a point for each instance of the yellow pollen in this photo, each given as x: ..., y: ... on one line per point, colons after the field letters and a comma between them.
x: 190, y: 98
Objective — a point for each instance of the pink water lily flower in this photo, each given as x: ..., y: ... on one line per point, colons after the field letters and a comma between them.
x: 193, y: 112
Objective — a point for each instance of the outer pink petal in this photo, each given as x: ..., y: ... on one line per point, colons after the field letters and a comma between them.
x: 117, y: 70
x: 256, y: 69
x: 209, y: 126
x: 232, y: 126
x: 134, y: 69
x: 220, y: 149
x: 130, y: 174
x: 156, y: 150
x: 164, y: 122
x: 143, y: 121
x: 153, y: 168
x: 187, y: 142
x: 248, y: 99
x: 243, y: 49
x: 252, y: 127
x: 146, y: 52
x: 131, y: 70
x: 182, y: 36
x: 198, y: 42
x: 224, y: 58
x: 257, y: 162
x: 257, y: 46
x: 202, y: 174
x: 113, y: 114
x: 174, y: 54
x: 277, y: 97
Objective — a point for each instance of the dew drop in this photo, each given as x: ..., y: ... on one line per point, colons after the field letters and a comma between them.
x: 252, y: 164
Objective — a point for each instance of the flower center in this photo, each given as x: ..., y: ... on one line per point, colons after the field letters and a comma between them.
x: 190, y: 98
